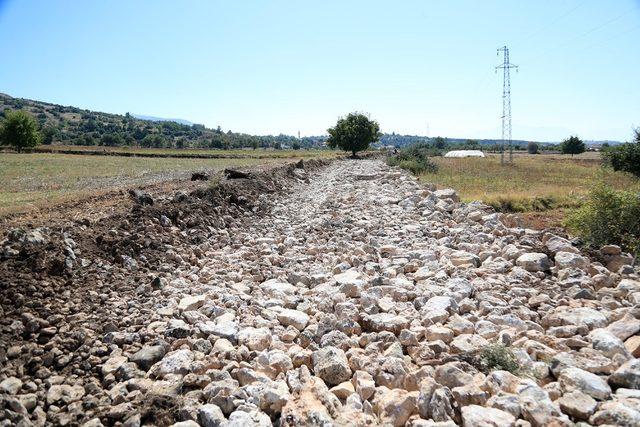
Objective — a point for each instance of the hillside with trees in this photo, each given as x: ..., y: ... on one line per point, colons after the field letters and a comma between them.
x: 66, y: 125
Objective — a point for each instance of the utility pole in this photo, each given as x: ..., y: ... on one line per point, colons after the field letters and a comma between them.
x: 506, y: 103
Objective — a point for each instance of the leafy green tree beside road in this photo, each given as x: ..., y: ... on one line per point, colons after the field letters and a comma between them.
x: 353, y: 133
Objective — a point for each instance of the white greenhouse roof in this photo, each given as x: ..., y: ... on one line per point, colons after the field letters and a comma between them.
x: 465, y: 153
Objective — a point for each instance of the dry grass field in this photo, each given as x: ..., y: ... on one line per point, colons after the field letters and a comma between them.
x: 39, y: 179
x: 540, y: 185
x: 188, y: 153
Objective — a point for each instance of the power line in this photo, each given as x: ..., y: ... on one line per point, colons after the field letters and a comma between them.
x: 586, y: 33
x: 506, y: 66
x: 550, y: 23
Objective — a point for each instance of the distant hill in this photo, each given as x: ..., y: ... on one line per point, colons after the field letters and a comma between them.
x: 66, y: 125
x: 161, y: 119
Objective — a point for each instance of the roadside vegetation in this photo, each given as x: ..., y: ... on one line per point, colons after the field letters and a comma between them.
x: 416, y: 159
x: 608, y: 217
x: 539, y: 184
x: 625, y: 157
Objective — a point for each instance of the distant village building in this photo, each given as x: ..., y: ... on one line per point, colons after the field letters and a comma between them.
x: 465, y: 153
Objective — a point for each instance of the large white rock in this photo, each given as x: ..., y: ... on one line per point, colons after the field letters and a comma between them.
x: 570, y: 260
x: 256, y: 339
x: 480, y: 416
x: 330, y: 364
x: 460, y: 258
x: 394, y: 406
x: 295, y: 318
x: 583, y: 316
x: 276, y: 288
x: 572, y: 379
x: 191, y: 302
x: 533, y: 261
x: 627, y: 375
x: 386, y: 322
x: 175, y: 362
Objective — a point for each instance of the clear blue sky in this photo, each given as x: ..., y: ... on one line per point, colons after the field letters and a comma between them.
x: 282, y: 66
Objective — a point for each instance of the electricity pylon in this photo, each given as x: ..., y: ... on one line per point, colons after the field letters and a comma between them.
x: 506, y: 103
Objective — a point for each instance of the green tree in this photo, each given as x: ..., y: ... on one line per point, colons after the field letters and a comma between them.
x: 153, y: 140
x: 111, y: 140
x: 440, y: 143
x: 532, y: 147
x: 295, y: 145
x: 19, y: 130
x: 471, y: 144
x: 625, y: 157
x: 353, y: 133
x: 48, y: 134
x: 572, y: 145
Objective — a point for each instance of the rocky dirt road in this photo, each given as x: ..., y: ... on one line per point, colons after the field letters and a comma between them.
x: 354, y: 296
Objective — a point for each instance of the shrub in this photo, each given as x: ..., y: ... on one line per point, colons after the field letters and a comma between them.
x: 608, y: 217
x: 415, y: 159
x: 499, y: 357
x: 625, y: 157
x: 19, y: 130
x: 532, y: 148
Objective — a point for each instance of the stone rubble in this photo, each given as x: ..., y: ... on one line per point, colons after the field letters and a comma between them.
x: 357, y: 297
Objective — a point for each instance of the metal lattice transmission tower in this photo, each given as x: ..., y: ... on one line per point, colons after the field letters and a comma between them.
x: 506, y: 103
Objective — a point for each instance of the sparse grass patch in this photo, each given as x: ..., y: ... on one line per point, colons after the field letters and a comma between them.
x: 535, y: 183
x: 498, y: 357
x: 34, y: 180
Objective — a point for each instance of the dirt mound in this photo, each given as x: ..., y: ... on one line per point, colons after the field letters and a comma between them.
x: 139, y: 238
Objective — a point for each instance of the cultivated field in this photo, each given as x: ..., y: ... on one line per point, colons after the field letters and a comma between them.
x: 535, y: 183
x: 40, y: 180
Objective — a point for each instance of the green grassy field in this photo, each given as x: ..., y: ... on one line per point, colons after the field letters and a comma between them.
x: 34, y: 180
x: 533, y: 183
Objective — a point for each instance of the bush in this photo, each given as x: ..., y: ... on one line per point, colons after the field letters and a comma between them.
x: 532, y: 148
x: 498, y: 357
x: 608, y: 217
x: 624, y: 157
x: 19, y: 130
x: 415, y: 159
